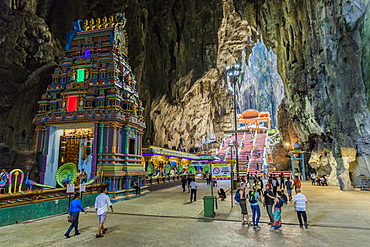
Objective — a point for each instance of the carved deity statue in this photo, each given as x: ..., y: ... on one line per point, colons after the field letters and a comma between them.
x: 111, y: 21
x: 104, y: 23
x: 86, y: 25
x: 73, y: 77
x: 98, y: 24
x: 92, y: 24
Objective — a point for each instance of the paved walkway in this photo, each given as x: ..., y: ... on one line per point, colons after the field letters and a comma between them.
x: 167, y: 218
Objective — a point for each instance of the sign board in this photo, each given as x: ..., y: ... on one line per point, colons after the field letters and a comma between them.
x: 70, y: 188
x: 82, y: 187
x: 221, y: 172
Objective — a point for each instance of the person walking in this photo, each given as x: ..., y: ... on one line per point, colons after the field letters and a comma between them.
x: 297, y: 183
x: 259, y: 185
x: 189, y: 179
x: 275, y: 185
x: 278, y: 203
x: 300, y: 207
x: 282, y: 178
x: 73, y: 214
x: 207, y: 175
x: 193, y: 186
x: 102, y: 202
x: 254, y: 197
x: 183, y: 183
x: 269, y: 202
x: 243, y: 204
x: 289, y: 186
x: 313, y: 178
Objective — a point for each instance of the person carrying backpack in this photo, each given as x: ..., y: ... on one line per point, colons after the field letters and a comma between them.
x: 243, y: 204
x: 289, y: 187
x: 284, y: 198
x: 253, y: 197
x: 278, y: 204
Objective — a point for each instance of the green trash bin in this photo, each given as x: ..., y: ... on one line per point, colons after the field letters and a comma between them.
x: 209, y: 206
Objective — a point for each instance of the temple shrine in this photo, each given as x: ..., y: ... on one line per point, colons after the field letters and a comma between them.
x: 251, y: 138
x: 91, y: 114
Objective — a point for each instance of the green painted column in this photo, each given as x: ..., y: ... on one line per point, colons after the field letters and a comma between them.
x: 136, y: 141
x: 125, y: 142
x: 101, y: 141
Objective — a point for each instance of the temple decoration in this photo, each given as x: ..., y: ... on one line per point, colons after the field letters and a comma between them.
x: 163, y: 162
x: 16, y: 178
x: 91, y: 114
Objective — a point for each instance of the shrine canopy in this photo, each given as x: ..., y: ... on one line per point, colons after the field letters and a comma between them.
x: 158, y: 151
x: 252, y: 119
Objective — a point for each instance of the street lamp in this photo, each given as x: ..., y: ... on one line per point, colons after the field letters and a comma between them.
x: 233, y: 72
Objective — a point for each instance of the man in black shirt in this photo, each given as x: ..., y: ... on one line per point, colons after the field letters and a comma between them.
x: 269, y: 202
x: 282, y: 177
x: 183, y: 183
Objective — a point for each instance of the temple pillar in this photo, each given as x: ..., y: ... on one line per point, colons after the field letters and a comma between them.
x: 125, y: 142
x: 44, y: 152
x: 108, y: 142
x: 110, y: 181
x: 94, y: 149
x: 114, y: 138
x: 127, y: 182
x: 102, y: 133
x: 118, y: 143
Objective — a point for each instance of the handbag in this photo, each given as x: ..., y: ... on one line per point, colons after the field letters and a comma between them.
x: 72, y: 218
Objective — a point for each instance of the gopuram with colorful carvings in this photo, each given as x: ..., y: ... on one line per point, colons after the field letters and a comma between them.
x: 90, y: 116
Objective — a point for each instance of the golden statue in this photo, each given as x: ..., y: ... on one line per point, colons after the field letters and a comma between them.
x: 98, y: 24
x: 111, y: 21
x: 104, y: 22
x: 86, y: 25
x: 92, y: 24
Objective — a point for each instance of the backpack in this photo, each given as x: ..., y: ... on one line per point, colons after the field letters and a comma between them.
x: 251, y: 197
x: 280, y: 203
x: 289, y: 185
x: 237, y: 195
x: 285, y: 198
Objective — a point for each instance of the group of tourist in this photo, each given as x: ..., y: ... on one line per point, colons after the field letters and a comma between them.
x: 318, y: 180
x: 270, y: 198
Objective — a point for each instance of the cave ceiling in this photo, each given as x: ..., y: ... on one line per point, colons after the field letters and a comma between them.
x: 178, y: 51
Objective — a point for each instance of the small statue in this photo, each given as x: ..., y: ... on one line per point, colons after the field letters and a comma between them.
x: 73, y: 77
x: 92, y: 24
x: 86, y: 25
x: 98, y: 24
x: 104, y: 22
x: 111, y: 21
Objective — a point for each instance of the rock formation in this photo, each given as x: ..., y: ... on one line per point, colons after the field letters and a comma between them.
x: 179, y: 49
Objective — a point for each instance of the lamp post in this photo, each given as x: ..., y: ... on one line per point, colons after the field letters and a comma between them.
x: 233, y: 72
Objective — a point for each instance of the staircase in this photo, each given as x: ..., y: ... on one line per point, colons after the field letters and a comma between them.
x: 251, y: 151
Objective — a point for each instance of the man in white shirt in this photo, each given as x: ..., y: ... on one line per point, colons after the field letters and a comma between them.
x: 102, y: 202
x: 193, y: 186
x: 300, y: 207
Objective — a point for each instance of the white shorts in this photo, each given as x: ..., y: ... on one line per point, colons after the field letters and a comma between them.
x: 102, y: 217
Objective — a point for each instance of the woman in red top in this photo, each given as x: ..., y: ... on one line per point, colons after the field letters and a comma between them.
x: 297, y: 183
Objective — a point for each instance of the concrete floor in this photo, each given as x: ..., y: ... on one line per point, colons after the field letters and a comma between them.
x: 167, y: 218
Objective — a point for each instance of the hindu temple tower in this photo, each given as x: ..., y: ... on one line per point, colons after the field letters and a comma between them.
x: 91, y: 114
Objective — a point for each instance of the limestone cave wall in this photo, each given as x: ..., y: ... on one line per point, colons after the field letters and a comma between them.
x: 323, y: 61
x: 178, y: 51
